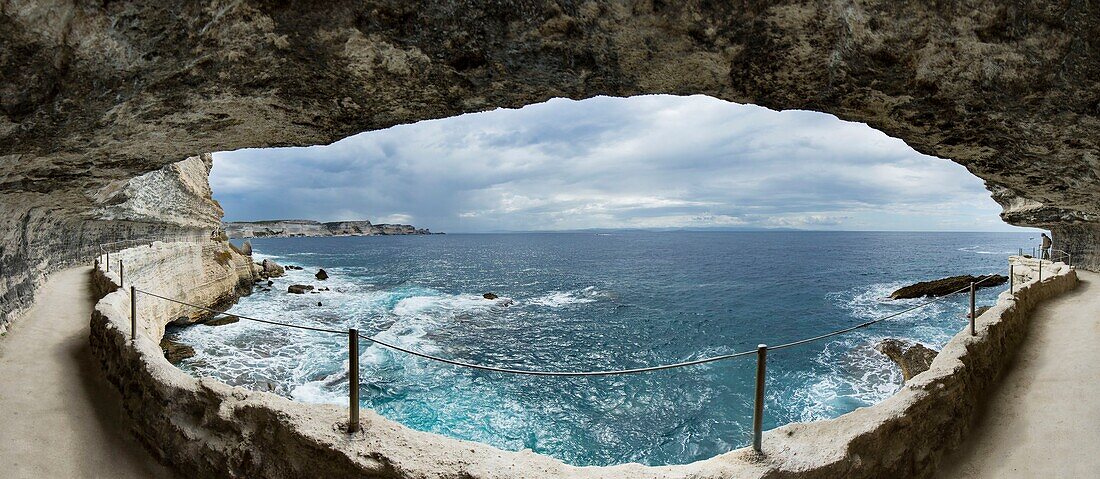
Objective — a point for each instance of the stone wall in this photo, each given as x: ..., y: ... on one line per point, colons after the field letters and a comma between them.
x: 209, y: 429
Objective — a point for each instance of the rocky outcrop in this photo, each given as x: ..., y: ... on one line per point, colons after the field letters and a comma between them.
x: 946, y: 286
x: 321, y: 274
x: 294, y: 228
x: 299, y: 288
x: 271, y: 269
x: 912, y: 358
x: 246, y: 248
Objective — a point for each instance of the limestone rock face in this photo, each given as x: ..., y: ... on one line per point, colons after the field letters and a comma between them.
x: 912, y: 358
x: 97, y: 94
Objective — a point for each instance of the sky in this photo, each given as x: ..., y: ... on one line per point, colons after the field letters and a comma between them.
x: 640, y: 162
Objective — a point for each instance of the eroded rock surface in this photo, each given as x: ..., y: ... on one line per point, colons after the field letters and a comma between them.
x: 97, y: 94
x: 913, y: 358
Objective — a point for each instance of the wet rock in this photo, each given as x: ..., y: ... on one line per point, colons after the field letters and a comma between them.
x: 299, y: 288
x: 272, y: 269
x: 222, y: 321
x: 270, y: 283
x: 321, y: 275
x: 945, y: 286
x: 175, y: 351
x: 289, y: 267
x: 318, y: 303
x: 489, y: 296
x: 912, y: 358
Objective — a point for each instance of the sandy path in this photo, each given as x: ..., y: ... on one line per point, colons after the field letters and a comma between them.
x: 58, y: 416
x: 1043, y: 418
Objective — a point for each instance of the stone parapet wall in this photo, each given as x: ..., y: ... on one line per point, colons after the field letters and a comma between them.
x: 209, y: 429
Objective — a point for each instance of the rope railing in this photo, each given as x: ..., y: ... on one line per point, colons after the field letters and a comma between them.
x: 760, y: 351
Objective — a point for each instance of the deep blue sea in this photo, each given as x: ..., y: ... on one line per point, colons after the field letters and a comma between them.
x: 576, y: 301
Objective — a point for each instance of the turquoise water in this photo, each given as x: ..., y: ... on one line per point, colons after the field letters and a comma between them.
x: 573, y: 301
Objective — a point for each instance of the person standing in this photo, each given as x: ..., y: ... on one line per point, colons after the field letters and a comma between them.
x: 1046, y: 247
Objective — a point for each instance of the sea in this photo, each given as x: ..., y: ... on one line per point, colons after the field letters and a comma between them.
x: 596, y: 301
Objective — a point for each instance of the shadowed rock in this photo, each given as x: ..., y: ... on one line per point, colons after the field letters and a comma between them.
x: 246, y: 248
x: 489, y: 296
x: 321, y: 274
x: 945, y: 286
x: 912, y: 358
x: 222, y: 321
x: 174, y: 351
x: 299, y: 288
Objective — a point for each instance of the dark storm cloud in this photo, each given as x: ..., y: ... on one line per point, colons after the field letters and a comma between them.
x: 653, y: 161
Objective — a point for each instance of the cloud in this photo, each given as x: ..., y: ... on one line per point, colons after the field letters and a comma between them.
x: 648, y: 161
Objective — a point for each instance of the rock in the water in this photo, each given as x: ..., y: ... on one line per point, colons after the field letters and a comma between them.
x: 912, y: 358
x: 222, y: 321
x: 174, y: 351
x: 299, y: 288
x: 272, y: 269
x: 293, y: 267
x: 318, y: 303
x: 946, y: 286
x: 489, y: 296
x: 246, y: 248
x: 321, y: 274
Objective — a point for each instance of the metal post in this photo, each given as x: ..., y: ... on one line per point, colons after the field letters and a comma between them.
x: 353, y: 377
x: 1011, y: 279
x: 108, y: 262
x: 1040, y: 271
x: 973, y: 317
x: 133, y: 313
x: 120, y: 271
x: 758, y: 409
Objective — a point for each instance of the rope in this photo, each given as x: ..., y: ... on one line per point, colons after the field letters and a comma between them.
x: 879, y: 320
x: 218, y: 313
x: 611, y: 372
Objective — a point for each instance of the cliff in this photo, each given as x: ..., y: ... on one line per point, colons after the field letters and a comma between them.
x: 288, y: 228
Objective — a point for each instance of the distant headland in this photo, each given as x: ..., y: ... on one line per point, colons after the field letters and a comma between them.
x: 293, y: 228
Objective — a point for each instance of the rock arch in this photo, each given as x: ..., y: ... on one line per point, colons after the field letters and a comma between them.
x: 95, y: 95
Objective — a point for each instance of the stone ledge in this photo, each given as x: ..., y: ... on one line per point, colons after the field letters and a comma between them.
x: 209, y: 429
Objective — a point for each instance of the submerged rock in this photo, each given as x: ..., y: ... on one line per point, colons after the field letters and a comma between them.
x: 222, y: 321
x: 946, y: 286
x: 175, y: 351
x: 299, y: 288
x: 290, y: 266
x: 321, y: 274
x: 912, y: 358
x: 272, y: 269
x: 489, y: 296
